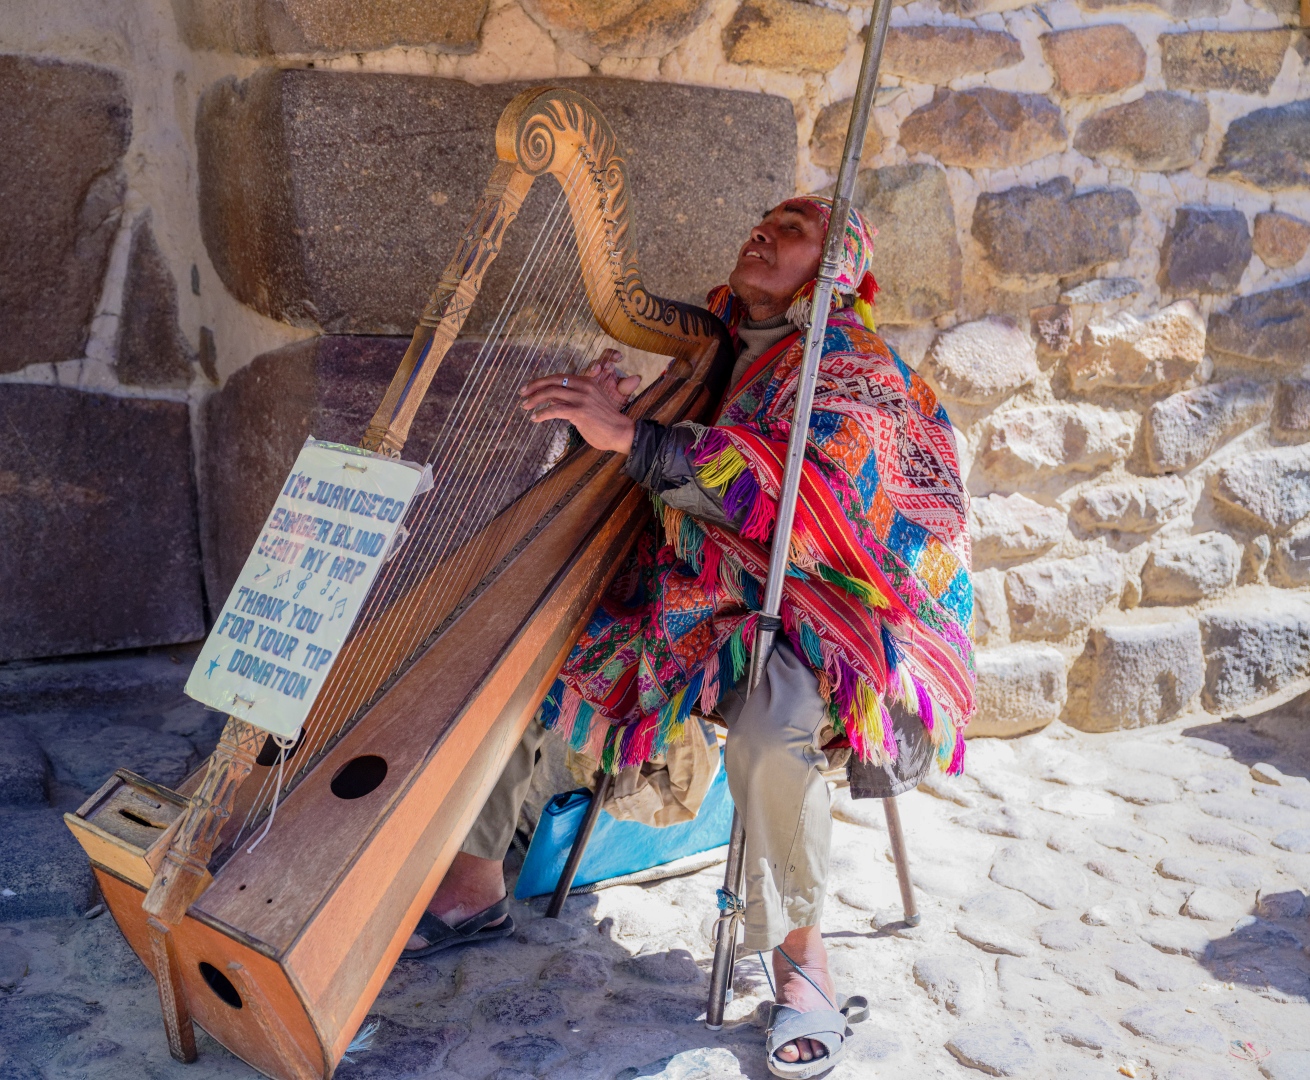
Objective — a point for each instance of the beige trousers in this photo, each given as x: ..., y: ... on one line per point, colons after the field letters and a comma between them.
x: 774, y: 759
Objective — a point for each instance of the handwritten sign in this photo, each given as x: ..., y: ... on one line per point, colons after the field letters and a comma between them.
x: 281, y: 630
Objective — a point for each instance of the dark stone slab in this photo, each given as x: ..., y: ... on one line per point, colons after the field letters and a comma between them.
x: 334, y: 200
x: 263, y: 27
x: 1242, y: 61
x: 1159, y: 131
x: 98, y: 539
x: 43, y: 866
x: 1290, y: 421
x: 64, y: 129
x: 1272, y: 327
x: 1048, y: 229
x: 140, y: 681
x: 1205, y: 251
x: 398, y: 1052
x: 916, y: 257
x: 1269, y: 148
x: 255, y: 426
x: 24, y: 770
x: 1250, y: 653
x: 152, y: 350
x: 86, y: 759
x: 985, y: 128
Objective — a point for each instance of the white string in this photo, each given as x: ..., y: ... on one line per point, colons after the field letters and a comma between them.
x: 283, y: 744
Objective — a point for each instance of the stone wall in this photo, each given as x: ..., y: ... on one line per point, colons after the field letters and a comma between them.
x: 1094, y: 220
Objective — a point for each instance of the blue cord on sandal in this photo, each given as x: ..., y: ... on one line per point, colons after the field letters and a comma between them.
x: 797, y: 968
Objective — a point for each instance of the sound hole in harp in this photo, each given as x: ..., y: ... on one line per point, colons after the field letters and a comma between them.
x: 494, y: 470
x: 359, y: 776
x: 221, y: 985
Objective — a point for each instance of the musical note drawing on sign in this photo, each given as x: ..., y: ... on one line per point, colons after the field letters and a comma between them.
x: 263, y: 573
x: 282, y: 579
x: 300, y: 586
x: 338, y: 609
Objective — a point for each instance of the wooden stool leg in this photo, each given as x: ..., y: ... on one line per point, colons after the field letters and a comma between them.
x: 901, y: 860
x: 172, y: 996
x: 570, y: 871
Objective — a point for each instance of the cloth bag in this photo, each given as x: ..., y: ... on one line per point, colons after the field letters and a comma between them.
x: 618, y: 848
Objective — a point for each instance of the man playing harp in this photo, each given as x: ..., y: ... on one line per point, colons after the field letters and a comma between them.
x: 875, y: 659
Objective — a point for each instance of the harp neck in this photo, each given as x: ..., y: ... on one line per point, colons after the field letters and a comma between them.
x: 556, y: 131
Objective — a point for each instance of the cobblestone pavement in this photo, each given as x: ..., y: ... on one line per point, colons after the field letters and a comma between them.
x: 1129, y: 904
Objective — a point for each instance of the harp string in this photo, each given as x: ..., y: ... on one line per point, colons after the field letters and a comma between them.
x: 554, y: 335
x: 399, y: 575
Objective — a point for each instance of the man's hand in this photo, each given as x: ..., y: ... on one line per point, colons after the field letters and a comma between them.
x: 590, y: 402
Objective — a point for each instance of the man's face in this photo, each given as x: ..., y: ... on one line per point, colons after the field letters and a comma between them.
x: 781, y: 254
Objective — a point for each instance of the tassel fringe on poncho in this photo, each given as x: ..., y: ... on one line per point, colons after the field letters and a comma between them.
x: 878, y: 600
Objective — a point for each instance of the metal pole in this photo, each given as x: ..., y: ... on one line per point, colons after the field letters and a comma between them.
x: 731, y: 908
x: 585, y: 829
x: 901, y: 860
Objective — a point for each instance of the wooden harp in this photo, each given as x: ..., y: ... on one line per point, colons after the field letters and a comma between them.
x: 278, y: 949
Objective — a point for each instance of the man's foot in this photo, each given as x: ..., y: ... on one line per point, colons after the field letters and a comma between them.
x: 471, y: 885
x: 805, y: 947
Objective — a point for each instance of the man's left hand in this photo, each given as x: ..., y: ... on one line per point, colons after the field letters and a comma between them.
x: 591, y: 402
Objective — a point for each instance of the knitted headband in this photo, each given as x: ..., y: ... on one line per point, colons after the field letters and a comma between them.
x: 854, y: 287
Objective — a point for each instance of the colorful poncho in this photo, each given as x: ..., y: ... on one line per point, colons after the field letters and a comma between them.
x: 878, y: 600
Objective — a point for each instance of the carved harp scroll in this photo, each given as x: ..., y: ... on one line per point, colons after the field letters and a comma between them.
x: 556, y: 131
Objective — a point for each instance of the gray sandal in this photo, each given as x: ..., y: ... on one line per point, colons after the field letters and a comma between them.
x: 829, y: 1027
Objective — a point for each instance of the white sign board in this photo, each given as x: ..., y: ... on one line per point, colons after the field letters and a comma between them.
x: 281, y: 630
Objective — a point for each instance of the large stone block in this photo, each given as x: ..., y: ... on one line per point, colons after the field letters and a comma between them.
x: 44, y: 871
x: 984, y: 128
x: 24, y: 770
x: 941, y: 54
x: 264, y: 27
x: 1100, y: 59
x: 1159, y: 132
x: 828, y: 139
x: 1191, y: 569
x: 152, y: 350
x: 1271, y: 327
x: 631, y: 28
x: 64, y: 129
x: 1130, y: 676
x: 1013, y: 527
x: 1290, y: 564
x: 1267, y: 488
x: 1253, y: 650
x: 1268, y: 148
x: 98, y: 545
x: 1242, y: 61
x: 1032, y: 443
x: 329, y: 387
x: 786, y: 35
x: 1290, y: 419
x: 1186, y: 428
x: 1021, y: 688
x: 1125, y: 352
x: 1062, y: 596
x: 1048, y: 229
x: 1175, y: 9
x: 1280, y: 239
x: 334, y: 200
x: 1205, y: 251
x: 1134, y: 506
x: 916, y: 257
x: 981, y: 362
